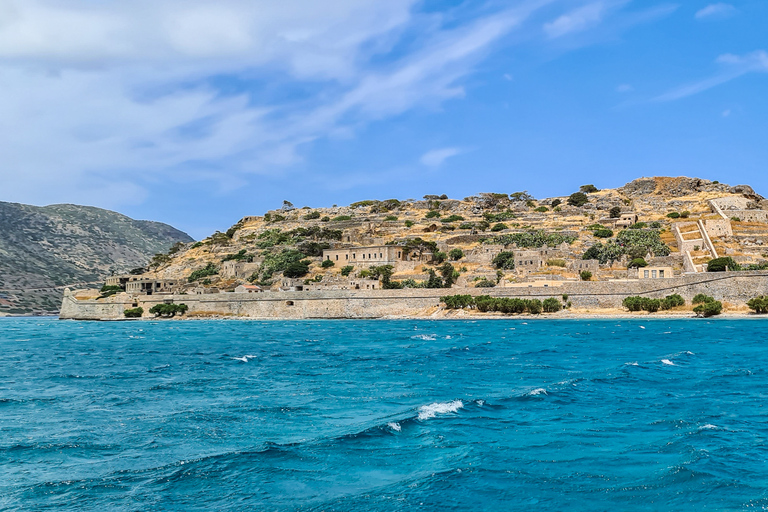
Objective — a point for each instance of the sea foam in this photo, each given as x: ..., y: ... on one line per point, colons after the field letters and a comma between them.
x: 667, y: 361
x: 430, y: 411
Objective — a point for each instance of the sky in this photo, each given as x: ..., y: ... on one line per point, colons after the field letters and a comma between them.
x: 198, y: 113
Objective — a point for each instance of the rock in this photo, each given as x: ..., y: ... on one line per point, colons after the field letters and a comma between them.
x: 746, y: 191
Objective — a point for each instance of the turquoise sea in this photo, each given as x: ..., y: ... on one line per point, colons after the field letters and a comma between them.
x: 384, y: 415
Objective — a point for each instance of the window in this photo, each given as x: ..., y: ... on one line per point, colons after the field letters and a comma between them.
x: 661, y: 273
x: 346, y: 256
x: 380, y: 256
x: 337, y: 257
x: 645, y: 274
x: 653, y: 272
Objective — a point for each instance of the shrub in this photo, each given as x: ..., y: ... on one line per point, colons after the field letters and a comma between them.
x: 133, y: 312
x: 655, y: 224
x: 642, y: 304
x: 346, y: 270
x: 456, y: 254
x: 209, y: 270
x: 458, y: 301
x: 637, y: 263
x: 499, y: 217
x: 585, y: 275
x: 551, y: 305
x: 296, y: 269
x: 615, y: 212
x: 168, y: 310
x: 439, y: 257
x: 603, y: 233
x: 700, y: 298
x: 638, y: 225
x: 735, y: 219
x: 672, y: 301
x: 109, y: 290
x: 409, y: 223
x: 499, y: 227
x: 685, y: 214
x: 673, y: 215
x: 341, y: 218
x: 723, y: 264
x: 556, y: 203
x: 578, y: 199
x: 390, y: 218
x: 588, y: 189
x: 432, y: 214
x: 484, y: 283
x: 466, y: 225
x: 327, y: 263
x: 452, y: 218
x: 556, y: 262
x: 239, y: 256
x: 504, y: 260
x: 708, y: 309
x: 312, y: 216
x: 325, y: 219
x: 541, y: 209
x: 759, y: 304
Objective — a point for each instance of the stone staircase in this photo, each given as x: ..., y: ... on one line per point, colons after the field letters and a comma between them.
x: 695, y: 245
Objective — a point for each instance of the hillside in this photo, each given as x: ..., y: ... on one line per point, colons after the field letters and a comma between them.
x: 44, y: 249
x: 667, y: 213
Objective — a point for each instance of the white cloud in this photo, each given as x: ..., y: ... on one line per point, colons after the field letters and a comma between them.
x: 577, y: 20
x: 734, y: 67
x: 436, y: 157
x: 715, y: 11
x: 624, y: 88
x: 101, y: 93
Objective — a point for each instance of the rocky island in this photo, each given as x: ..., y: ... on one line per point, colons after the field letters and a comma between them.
x: 677, y: 244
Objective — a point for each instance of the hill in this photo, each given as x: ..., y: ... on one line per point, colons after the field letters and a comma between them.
x: 44, y: 249
x: 676, y: 223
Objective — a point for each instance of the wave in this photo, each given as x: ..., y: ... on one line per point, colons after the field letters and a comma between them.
x: 537, y: 391
x: 395, y: 426
x: 430, y: 411
x: 667, y: 362
x: 426, y: 337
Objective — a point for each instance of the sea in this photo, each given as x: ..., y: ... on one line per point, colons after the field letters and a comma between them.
x: 501, y: 415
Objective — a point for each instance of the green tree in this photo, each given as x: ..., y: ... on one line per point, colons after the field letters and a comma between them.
x: 499, y: 227
x: 504, y: 260
x: 552, y: 305
x: 296, y: 269
x: 723, y: 264
x: 578, y: 199
x: 708, y: 309
x: 615, y: 212
x: 133, y: 312
x: 637, y: 263
x: 588, y: 189
x: 759, y: 304
x: 346, y: 270
x: 327, y: 263
x: 456, y: 254
x: 585, y: 275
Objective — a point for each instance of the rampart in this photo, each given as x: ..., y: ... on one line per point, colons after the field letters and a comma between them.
x: 732, y: 287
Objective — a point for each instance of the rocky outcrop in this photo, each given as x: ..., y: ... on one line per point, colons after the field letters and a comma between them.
x: 671, y: 187
x: 747, y: 191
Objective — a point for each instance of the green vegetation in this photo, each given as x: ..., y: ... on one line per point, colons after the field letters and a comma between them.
x: 578, y: 199
x: 109, y: 290
x: 541, y: 209
x: 708, y: 309
x: 484, y: 283
x: 556, y: 262
x: 241, y: 255
x: 499, y: 217
x: 530, y: 239
x: 603, y: 233
x: 486, y: 303
x: 281, y: 262
x: 700, y: 298
x: 551, y: 305
x: 585, y: 275
x: 346, y: 270
x: 390, y: 218
x: 637, y: 263
x: 504, y: 260
x: 615, y: 212
x: 325, y: 219
x: 341, y: 218
x: 168, y: 310
x: 759, y: 304
x: 638, y: 225
x: 312, y: 215
x: 673, y: 215
x: 456, y: 254
x: 296, y: 269
x: 556, y: 203
x: 327, y: 264
x: 723, y: 264
x: 653, y: 305
x: 499, y: 227
x: 453, y: 218
x: 313, y: 248
x: 133, y: 312
x: 588, y: 189
x: 432, y: 214
x: 409, y: 223
x: 209, y: 270
x: 367, y: 202
x: 635, y: 243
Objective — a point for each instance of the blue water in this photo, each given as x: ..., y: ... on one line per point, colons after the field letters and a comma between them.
x: 384, y: 415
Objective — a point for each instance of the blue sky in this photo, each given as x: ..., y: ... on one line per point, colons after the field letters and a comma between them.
x: 198, y: 113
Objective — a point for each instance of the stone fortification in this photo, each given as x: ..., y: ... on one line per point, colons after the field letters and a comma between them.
x: 732, y: 287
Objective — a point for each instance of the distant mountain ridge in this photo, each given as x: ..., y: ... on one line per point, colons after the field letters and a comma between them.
x: 43, y: 249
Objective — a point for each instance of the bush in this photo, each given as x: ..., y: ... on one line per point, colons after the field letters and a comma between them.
x: 312, y: 216
x: 615, y: 212
x: 458, y: 301
x: 109, y: 290
x: 168, y: 310
x: 700, y: 298
x: 708, y: 309
x: 655, y: 224
x: 499, y: 227
x: 556, y: 262
x: 556, y: 203
x: 578, y: 199
x: 133, y: 313
x: 551, y: 305
x: 723, y: 264
x: 239, y: 256
x: 453, y: 218
x: 637, y: 263
x: 685, y: 214
x: 672, y: 301
x: 585, y: 275
x: 484, y: 283
x: 439, y: 257
x: 541, y: 209
x: 325, y: 219
x: 390, y: 218
x: 673, y: 215
x: 642, y: 304
x: 456, y: 254
x: 588, y: 189
x: 603, y: 233
x: 341, y: 218
x: 209, y: 270
x: 504, y: 260
x: 327, y: 264
x: 638, y: 225
x: 346, y: 270
x: 432, y: 214
x: 499, y: 217
x: 759, y: 304
x: 296, y: 269
x: 409, y: 223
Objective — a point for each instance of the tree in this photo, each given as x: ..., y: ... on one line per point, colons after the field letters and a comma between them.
x: 447, y: 271
x: 346, y: 270
x: 296, y: 269
x: 708, y: 309
x: 637, y: 263
x: 456, y: 254
x: 552, y: 305
x: 504, y: 260
x: 133, y: 313
x: 499, y: 227
x: 588, y: 189
x: 585, y: 275
x: 578, y: 199
x: 759, y: 305
x: 700, y: 298
x: 327, y: 263
x: 556, y: 203
x: 603, y: 233
x: 615, y: 212
x: 723, y: 264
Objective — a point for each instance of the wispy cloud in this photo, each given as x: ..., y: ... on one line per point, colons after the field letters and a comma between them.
x: 716, y: 11
x: 436, y: 157
x: 582, y: 18
x: 624, y: 88
x: 734, y: 66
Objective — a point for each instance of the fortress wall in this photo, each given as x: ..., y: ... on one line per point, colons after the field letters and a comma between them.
x: 733, y: 287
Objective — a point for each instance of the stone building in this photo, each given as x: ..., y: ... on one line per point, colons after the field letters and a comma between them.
x: 626, y: 220
x: 655, y: 273
x: 238, y: 269
x: 373, y: 255
x: 139, y: 285
x: 578, y: 266
x: 248, y: 288
x: 120, y: 280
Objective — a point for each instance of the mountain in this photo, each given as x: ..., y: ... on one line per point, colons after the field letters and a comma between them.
x: 45, y: 249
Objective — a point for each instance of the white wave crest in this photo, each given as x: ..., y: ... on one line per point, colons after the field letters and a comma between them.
x: 244, y: 358
x: 631, y: 364
x: 430, y: 411
x: 395, y: 426
x: 427, y: 337
x: 537, y: 391
x: 709, y: 426
x: 667, y: 361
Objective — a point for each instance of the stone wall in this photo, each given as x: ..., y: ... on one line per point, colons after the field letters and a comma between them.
x: 733, y: 287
